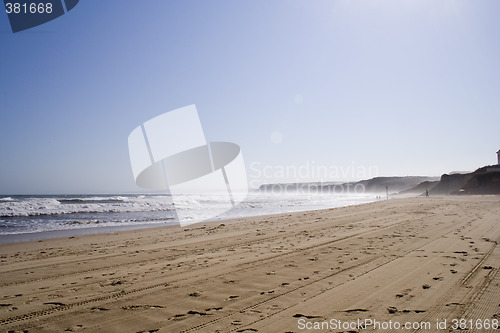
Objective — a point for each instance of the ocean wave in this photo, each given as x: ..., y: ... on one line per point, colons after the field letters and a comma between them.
x: 44, y: 213
x: 40, y: 206
x: 120, y: 221
x: 93, y: 200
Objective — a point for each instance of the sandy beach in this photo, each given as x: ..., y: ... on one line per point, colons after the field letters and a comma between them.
x: 411, y: 260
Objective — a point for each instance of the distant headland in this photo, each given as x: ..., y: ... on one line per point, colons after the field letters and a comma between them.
x: 485, y: 180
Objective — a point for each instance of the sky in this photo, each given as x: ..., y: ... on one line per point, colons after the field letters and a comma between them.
x: 359, y: 88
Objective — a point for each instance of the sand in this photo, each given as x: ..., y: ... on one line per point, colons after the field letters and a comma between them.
x: 412, y: 260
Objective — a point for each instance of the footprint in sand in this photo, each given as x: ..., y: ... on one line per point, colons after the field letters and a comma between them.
x: 179, y: 316
x: 355, y: 310
x: 97, y: 309
x: 214, y: 309
x: 194, y: 312
x: 74, y: 329
x: 403, y: 293
x: 392, y: 309
x: 300, y: 315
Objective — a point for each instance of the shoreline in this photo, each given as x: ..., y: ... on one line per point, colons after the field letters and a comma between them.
x: 412, y: 259
x: 57, y: 234
x: 54, y: 234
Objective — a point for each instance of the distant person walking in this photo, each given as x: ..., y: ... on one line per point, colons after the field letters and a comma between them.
x: 426, y: 193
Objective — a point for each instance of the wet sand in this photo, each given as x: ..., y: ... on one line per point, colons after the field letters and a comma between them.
x: 414, y: 260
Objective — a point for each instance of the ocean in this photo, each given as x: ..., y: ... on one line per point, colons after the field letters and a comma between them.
x: 77, y: 214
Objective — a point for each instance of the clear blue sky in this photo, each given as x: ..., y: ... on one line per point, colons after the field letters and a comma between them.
x: 411, y: 87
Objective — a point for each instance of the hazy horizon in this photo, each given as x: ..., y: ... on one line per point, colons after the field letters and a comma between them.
x: 368, y: 88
